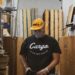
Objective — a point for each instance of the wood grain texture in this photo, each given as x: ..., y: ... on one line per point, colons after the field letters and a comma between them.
x: 29, y: 21
x: 20, y: 67
x: 10, y: 48
x: 24, y: 23
x: 46, y: 21
x: 60, y: 18
x: 67, y: 62
x: 56, y: 25
x: 52, y: 23
x: 70, y: 13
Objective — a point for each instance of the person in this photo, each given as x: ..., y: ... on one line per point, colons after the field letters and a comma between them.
x: 40, y: 53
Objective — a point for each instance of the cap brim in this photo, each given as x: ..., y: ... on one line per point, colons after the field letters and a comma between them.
x: 35, y: 28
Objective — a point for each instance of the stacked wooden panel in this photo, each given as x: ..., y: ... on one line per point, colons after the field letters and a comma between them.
x: 53, y: 23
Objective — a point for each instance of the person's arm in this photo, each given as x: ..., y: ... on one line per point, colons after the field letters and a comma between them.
x: 55, y: 61
x: 23, y: 55
x: 24, y: 62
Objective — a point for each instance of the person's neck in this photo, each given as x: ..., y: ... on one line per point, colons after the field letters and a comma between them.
x: 38, y: 37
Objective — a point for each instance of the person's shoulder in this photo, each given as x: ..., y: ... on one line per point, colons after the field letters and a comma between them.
x: 29, y: 38
x: 49, y: 37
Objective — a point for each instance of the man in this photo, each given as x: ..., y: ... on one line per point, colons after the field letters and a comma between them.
x: 40, y: 53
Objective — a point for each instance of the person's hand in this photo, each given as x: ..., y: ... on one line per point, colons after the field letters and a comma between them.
x: 30, y: 72
x: 44, y: 71
x: 27, y: 70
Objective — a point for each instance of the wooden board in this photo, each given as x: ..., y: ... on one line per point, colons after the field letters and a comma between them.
x: 24, y: 24
x: 20, y: 68
x: 1, y: 2
x: 70, y: 13
x: 60, y: 17
x: 32, y: 15
x: 56, y: 25
x: 19, y: 27
x: 46, y: 21
x: 36, y: 12
x: 52, y: 23
x: 67, y: 62
x: 29, y: 21
x: 10, y: 48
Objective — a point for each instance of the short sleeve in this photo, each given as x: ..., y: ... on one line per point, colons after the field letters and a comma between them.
x: 55, y: 46
x: 24, y: 48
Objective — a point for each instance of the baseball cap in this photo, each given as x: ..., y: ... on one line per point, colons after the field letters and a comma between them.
x: 37, y: 24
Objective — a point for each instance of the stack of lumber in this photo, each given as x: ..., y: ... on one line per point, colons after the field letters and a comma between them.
x: 53, y: 23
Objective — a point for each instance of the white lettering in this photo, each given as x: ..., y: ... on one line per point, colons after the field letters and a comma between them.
x: 40, y: 47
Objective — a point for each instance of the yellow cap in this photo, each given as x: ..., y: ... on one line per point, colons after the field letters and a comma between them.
x: 37, y: 24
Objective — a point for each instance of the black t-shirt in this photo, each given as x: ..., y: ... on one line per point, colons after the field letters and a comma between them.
x: 39, y: 51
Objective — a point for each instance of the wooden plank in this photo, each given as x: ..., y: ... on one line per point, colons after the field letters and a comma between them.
x: 56, y: 25
x: 29, y: 21
x: 32, y: 15
x: 1, y: 2
x: 36, y: 12
x: 69, y: 19
x: 10, y: 48
x: 24, y: 24
x: 47, y: 21
x: 67, y: 62
x: 52, y: 23
x: 19, y: 27
x: 60, y: 22
x: 70, y: 13
x: 20, y: 67
x: 60, y: 33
